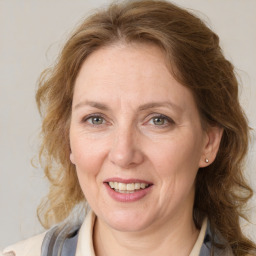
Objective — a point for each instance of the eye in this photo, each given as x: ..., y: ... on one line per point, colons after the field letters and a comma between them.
x: 95, y: 120
x: 161, y: 120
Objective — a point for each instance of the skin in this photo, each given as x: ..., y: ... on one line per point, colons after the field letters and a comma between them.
x: 129, y: 140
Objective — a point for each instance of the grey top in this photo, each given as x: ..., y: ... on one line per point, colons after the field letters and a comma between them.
x: 62, y: 241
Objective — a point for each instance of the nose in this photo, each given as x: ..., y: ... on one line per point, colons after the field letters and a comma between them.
x: 125, y: 151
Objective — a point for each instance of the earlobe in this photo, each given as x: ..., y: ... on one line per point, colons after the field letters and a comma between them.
x: 213, y: 139
x: 71, y: 156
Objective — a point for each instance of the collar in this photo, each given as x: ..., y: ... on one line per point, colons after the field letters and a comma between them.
x: 85, y: 242
x: 85, y: 239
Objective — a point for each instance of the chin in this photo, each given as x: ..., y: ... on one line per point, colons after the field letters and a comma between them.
x: 128, y: 221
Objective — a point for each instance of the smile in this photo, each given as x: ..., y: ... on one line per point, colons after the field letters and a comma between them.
x: 127, y: 187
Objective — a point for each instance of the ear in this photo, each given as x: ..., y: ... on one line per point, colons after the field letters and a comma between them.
x: 211, y: 146
x: 72, y: 159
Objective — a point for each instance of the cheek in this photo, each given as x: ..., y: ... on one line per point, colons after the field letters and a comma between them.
x: 88, y: 158
x: 176, y: 156
x: 88, y: 155
x: 176, y: 165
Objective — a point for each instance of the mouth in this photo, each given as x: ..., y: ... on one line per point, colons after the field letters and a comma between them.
x: 127, y: 188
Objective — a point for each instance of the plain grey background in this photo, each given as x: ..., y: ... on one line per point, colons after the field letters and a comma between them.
x: 31, y: 35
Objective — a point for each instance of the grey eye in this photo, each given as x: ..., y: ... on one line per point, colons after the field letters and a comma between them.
x: 96, y: 120
x: 159, y: 120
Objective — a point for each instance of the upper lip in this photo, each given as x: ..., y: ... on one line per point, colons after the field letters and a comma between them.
x: 126, y: 181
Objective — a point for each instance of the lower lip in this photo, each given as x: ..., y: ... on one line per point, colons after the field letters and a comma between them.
x: 127, y: 197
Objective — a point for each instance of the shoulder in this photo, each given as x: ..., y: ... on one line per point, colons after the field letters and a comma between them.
x: 29, y: 247
x: 55, y: 239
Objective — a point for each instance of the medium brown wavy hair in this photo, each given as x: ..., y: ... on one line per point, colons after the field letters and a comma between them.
x: 197, y: 62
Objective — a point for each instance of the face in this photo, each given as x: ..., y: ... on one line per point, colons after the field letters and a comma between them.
x: 136, y: 138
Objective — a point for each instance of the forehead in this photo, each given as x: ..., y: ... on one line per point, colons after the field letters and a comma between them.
x: 129, y: 72
x: 122, y: 58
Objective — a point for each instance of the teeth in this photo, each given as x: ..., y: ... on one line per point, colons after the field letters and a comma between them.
x: 130, y: 186
x: 137, y: 186
x: 127, y: 188
x: 111, y: 184
x: 122, y: 186
x: 142, y: 185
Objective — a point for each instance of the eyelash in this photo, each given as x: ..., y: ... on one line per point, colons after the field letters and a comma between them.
x: 85, y: 119
x: 166, y: 119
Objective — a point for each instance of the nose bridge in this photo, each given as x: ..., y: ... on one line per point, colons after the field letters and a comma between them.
x: 125, y: 151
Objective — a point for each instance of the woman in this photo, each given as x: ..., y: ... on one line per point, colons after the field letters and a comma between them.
x: 142, y: 119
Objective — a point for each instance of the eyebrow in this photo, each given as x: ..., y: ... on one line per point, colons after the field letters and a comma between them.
x: 92, y: 104
x: 143, y: 107
x: 159, y: 104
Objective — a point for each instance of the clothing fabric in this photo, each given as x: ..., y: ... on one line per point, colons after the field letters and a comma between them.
x: 77, y: 241
x: 29, y: 247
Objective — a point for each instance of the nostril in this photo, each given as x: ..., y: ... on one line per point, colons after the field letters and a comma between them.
x: 126, y: 157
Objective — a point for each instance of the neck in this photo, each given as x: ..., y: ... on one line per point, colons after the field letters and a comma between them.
x: 172, y: 237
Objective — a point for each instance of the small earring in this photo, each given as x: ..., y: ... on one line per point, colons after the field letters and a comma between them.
x: 206, y: 160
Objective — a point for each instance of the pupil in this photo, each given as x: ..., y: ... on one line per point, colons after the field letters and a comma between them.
x: 158, y: 121
x: 97, y: 120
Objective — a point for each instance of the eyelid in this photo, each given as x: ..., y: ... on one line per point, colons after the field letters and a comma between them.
x: 87, y: 117
x: 149, y: 118
x: 157, y: 115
